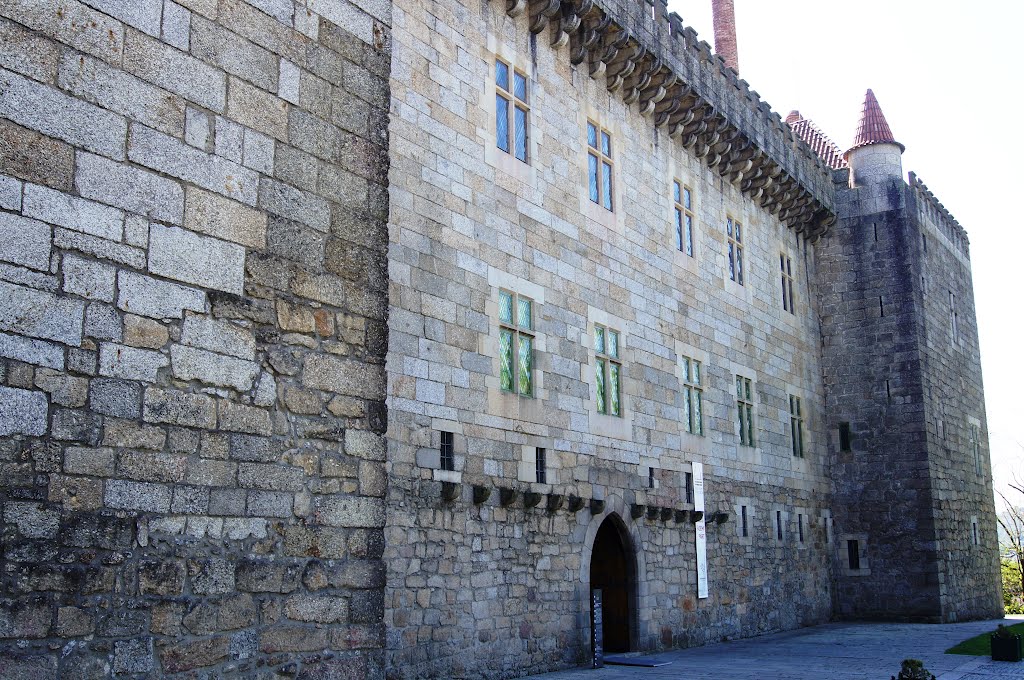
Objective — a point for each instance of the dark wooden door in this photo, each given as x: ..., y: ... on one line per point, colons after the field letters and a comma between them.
x: 609, y: 571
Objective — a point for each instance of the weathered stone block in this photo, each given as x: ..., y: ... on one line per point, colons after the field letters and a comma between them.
x: 24, y: 618
x: 65, y: 390
x: 257, y: 109
x: 175, y: 71
x: 73, y: 213
x: 185, y: 656
x: 73, y: 622
x: 34, y: 157
x: 216, y: 45
x: 166, y: 154
x: 88, y: 279
x: 316, y: 609
x: 179, y: 408
x: 41, y: 315
x: 185, y: 256
x: 270, y: 477
x: 343, y: 376
x: 218, y: 336
x: 294, y: 204
x: 130, y: 188
x: 128, y: 495
x: 99, y: 247
x: 27, y: 53
x: 10, y: 193
x: 241, y: 418
x: 72, y: 23
x: 350, y: 511
x: 32, y: 520
x: 76, y: 494
x: 37, y: 352
x: 133, y: 656
x: 98, y: 462
x: 25, y: 242
x: 55, y: 114
x: 118, y: 398
x: 211, y: 576
x: 266, y: 576
x: 259, y: 503
x: 365, y: 444
x: 130, y: 363
x: 189, y: 363
x: 176, y: 25
x: 102, y: 322
x: 22, y: 412
x: 154, y: 298
x: 214, y: 215
x: 142, y: 332
x: 127, y: 434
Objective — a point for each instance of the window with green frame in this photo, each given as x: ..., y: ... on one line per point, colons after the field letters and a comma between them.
x: 608, y: 370
x: 515, y: 342
x: 693, y: 397
x: 745, y: 409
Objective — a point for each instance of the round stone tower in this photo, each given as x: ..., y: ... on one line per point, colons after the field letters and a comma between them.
x: 875, y: 158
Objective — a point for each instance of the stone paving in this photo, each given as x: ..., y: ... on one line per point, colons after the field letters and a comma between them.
x: 852, y: 651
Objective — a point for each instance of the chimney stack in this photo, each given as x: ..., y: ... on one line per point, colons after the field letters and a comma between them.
x: 725, y: 32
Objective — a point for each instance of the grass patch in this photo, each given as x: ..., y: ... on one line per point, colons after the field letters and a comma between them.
x: 981, y: 645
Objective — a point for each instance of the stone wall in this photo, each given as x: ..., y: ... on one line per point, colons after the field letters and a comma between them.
x: 479, y: 589
x: 192, y: 205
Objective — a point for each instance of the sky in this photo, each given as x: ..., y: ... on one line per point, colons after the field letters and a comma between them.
x: 947, y: 76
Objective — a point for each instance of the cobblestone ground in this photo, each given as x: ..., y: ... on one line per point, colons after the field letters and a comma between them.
x: 851, y: 651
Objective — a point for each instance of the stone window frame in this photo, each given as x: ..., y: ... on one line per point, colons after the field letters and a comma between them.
x: 608, y: 370
x: 692, y: 387
x: 744, y: 505
x: 684, y: 217
x: 527, y: 464
x: 974, y: 442
x: 862, y: 553
x: 778, y: 524
x: 804, y: 527
x: 975, y: 532
x: 617, y: 427
x: 797, y: 427
x: 746, y: 415
x: 788, y: 298
x: 514, y: 103
x: 954, y: 319
x: 735, y: 245
x: 518, y: 334
x: 500, y: 403
x: 506, y: 163
x: 827, y: 525
x: 428, y: 456
x: 600, y: 158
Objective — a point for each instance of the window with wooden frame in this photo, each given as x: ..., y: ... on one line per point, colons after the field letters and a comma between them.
x: 599, y: 165
x: 788, y: 301
x: 734, y: 232
x: 512, y: 111
x: 796, y: 425
x: 693, y: 397
x: 683, y: 197
x: 515, y: 342
x: 745, y: 410
x: 608, y: 370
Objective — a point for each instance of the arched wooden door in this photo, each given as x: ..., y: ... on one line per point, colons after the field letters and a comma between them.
x: 613, y: 571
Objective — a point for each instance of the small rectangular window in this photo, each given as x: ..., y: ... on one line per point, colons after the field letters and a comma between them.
x: 778, y: 524
x: 515, y: 342
x: 974, y: 532
x: 734, y: 234
x: 844, y: 437
x: 608, y: 370
x: 953, y: 319
x: 745, y: 410
x: 512, y: 111
x: 447, y: 451
x: 743, y: 518
x: 693, y: 397
x: 796, y: 426
x: 688, y: 479
x: 683, y: 197
x: 975, y: 443
x: 853, y: 550
x: 541, y: 465
x: 788, y: 303
x: 800, y: 526
x: 650, y: 478
x: 599, y: 165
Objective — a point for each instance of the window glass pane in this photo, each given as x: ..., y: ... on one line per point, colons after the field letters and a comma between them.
x: 505, y: 353
x: 739, y: 266
x: 613, y: 344
x: 599, y: 339
x: 675, y: 191
x: 746, y: 385
x: 739, y: 232
x: 525, y: 313
x: 728, y: 227
x: 686, y: 369
x: 520, y: 83
x: 521, y: 134
x: 679, y: 229
x: 501, y: 73
x: 606, y: 185
x: 732, y: 263
x: 689, y: 235
x: 698, y: 410
x: 750, y: 425
x: 696, y: 373
x: 613, y: 388
x: 687, y: 198
x: 687, y: 422
x: 505, y: 307
x: 525, y: 364
x: 599, y: 375
x: 606, y: 144
x: 501, y: 122
x: 739, y: 387
x: 591, y: 135
x: 594, y: 195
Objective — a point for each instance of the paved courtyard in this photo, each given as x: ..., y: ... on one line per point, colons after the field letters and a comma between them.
x: 850, y: 651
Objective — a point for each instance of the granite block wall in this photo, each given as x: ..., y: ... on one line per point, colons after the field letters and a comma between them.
x: 193, y: 199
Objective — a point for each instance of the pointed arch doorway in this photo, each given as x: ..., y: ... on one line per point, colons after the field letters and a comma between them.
x: 613, y: 571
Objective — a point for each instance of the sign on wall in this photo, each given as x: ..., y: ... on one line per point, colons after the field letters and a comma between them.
x: 700, y: 529
x: 596, y: 629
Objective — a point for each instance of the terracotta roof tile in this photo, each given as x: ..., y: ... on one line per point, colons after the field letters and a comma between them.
x: 817, y: 140
x: 873, y: 128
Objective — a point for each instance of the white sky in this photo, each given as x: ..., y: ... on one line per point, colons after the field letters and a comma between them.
x: 947, y: 76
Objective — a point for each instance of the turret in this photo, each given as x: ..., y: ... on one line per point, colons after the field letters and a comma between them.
x: 875, y: 158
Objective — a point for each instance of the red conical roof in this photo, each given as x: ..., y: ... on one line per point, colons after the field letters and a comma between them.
x: 873, y: 128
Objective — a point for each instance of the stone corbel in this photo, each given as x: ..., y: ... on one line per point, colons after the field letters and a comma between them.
x: 586, y: 40
x: 656, y: 91
x: 641, y: 79
x: 570, y: 21
x: 672, y: 106
x: 541, y: 13
x: 622, y: 60
x: 514, y: 8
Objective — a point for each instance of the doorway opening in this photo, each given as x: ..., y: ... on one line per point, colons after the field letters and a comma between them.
x: 613, y: 571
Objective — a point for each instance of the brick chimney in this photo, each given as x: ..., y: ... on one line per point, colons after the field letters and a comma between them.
x: 725, y: 32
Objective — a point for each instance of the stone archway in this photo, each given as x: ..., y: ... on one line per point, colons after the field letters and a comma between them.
x: 613, y: 571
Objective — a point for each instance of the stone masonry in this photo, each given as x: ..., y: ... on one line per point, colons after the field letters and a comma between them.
x: 193, y: 200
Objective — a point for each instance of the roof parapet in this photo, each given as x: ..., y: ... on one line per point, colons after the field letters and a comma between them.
x: 927, y: 201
